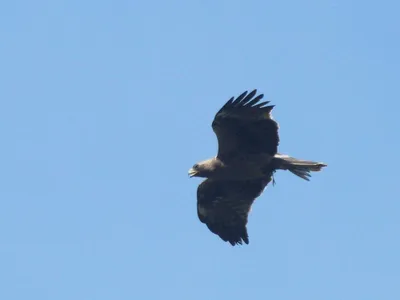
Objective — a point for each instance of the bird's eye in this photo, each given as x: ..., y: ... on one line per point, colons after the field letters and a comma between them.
x: 195, y: 166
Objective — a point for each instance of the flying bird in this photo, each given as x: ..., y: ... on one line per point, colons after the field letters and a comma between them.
x: 246, y: 161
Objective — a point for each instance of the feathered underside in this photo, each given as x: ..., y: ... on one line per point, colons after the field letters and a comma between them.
x: 224, y: 206
x: 244, y: 126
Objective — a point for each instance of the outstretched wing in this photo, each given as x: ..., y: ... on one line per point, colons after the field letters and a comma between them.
x: 224, y: 206
x: 245, y: 125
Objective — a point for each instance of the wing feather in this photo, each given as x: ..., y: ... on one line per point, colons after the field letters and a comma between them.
x: 224, y: 206
x: 245, y: 125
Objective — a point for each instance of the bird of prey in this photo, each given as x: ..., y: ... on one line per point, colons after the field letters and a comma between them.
x: 247, y: 158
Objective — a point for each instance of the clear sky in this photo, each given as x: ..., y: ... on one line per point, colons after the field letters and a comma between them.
x: 105, y: 105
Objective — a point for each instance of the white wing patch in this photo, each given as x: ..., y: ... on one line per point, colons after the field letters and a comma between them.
x: 206, y: 213
x: 202, y: 210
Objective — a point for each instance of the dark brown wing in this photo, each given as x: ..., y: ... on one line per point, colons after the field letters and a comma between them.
x: 244, y: 125
x: 224, y: 206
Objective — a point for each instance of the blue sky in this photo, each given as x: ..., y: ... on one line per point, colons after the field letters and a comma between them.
x: 105, y: 105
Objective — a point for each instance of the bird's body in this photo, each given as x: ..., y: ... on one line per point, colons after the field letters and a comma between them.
x: 246, y: 161
x: 251, y: 166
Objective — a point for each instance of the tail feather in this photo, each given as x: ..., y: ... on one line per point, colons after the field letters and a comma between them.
x: 301, y: 168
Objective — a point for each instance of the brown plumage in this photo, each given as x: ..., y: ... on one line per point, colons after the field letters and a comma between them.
x: 247, y: 157
x: 224, y: 206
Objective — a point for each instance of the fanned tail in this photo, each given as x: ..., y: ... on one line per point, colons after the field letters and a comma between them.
x: 301, y: 168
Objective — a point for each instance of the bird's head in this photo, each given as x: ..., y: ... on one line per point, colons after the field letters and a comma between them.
x: 202, y: 169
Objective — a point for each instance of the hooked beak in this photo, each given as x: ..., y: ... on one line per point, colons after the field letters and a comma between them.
x: 192, y: 172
